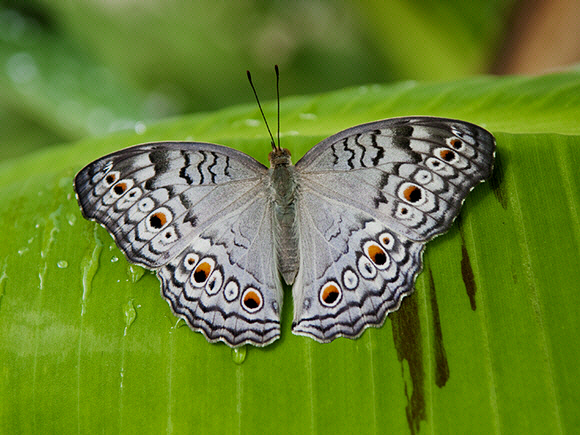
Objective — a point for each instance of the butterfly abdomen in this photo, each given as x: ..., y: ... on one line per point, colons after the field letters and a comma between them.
x: 283, y: 188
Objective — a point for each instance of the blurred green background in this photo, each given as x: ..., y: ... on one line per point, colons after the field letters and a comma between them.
x: 72, y: 69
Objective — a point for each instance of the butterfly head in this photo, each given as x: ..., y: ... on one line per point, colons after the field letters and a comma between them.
x: 279, y: 157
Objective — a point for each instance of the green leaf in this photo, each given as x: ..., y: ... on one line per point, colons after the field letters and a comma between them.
x: 487, y: 343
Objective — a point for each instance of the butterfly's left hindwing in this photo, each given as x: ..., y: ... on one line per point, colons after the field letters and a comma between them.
x: 353, y: 270
x: 192, y: 211
x: 225, y: 283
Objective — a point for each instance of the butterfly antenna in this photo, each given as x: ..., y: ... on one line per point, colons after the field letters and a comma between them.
x: 261, y: 111
x: 278, y: 99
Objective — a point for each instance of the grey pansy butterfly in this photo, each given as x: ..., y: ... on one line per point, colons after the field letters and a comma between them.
x: 346, y: 226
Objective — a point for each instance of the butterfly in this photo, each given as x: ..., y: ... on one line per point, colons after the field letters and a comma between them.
x: 346, y: 226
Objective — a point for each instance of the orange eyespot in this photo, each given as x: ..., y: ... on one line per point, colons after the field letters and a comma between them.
x: 447, y: 155
x: 202, y: 272
x: 412, y: 194
x: 158, y: 220
x: 455, y: 143
x: 120, y: 188
x: 252, y: 300
x: 330, y: 294
x: 377, y: 254
x: 111, y: 178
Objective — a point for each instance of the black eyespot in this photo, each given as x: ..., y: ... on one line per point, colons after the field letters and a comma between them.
x: 211, y: 285
x: 447, y: 155
x: 158, y: 220
x: 251, y: 303
x: 331, y: 297
x: 456, y: 143
x: 252, y: 300
x: 412, y: 194
x: 200, y: 275
x: 120, y: 188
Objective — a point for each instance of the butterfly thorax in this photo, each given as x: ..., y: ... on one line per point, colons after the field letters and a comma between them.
x: 283, y: 191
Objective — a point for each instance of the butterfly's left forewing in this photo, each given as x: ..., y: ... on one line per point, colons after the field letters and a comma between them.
x: 193, y: 212
x: 370, y: 197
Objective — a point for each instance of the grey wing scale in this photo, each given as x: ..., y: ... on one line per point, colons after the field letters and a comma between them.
x: 392, y: 185
x: 163, y: 203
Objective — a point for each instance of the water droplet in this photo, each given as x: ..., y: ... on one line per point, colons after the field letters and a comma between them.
x: 114, y: 259
x: 252, y: 122
x: 89, y: 267
x: 122, y: 376
x: 308, y: 116
x: 239, y: 354
x: 71, y: 219
x: 62, y: 264
x: 22, y: 251
x: 180, y: 322
x: 130, y: 315
x: 135, y: 272
x: 3, y: 278
x: 21, y: 68
x: 140, y: 128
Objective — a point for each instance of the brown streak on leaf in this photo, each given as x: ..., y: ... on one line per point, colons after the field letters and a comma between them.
x: 407, y: 338
x: 467, y: 275
x: 441, y: 364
